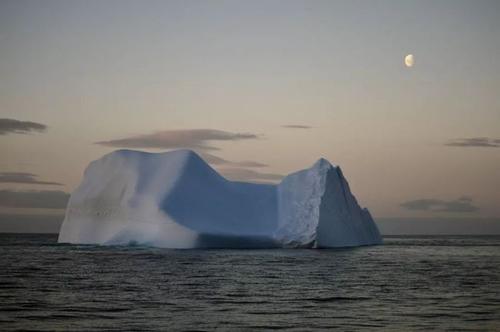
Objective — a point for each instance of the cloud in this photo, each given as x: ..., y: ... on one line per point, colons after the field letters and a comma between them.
x: 292, y: 126
x: 18, y: 177
x: 243, y: 174
x: 43, y: 199
x: 183, y: 138
x: 8, y: 126
x: 463, y: 204
x: 30, y: 223
x: 482, y: 142
x: 215, y: 160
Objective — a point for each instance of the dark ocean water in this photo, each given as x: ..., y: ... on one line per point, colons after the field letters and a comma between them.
x: 410, y: 283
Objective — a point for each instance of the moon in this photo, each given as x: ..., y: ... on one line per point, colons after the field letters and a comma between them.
x: 409, y: 60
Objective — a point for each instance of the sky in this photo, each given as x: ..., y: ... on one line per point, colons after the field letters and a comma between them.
x: 260, y: 89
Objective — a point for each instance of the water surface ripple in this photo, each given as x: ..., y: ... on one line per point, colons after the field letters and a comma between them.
x: 408, y: 284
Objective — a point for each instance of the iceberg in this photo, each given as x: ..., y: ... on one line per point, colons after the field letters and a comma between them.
x: 176, y: 200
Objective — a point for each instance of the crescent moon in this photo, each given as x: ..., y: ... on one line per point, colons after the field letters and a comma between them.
x: 409, y: 60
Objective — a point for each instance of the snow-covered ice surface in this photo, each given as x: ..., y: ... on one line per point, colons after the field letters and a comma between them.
x: 176, y: 200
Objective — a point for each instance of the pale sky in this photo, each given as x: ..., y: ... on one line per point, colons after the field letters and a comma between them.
x: 274, y: 85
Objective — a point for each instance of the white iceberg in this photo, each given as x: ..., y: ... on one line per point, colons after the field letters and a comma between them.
x: 176, y: 200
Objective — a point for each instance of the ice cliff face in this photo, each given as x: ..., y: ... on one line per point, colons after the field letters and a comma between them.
x: 176, y: 200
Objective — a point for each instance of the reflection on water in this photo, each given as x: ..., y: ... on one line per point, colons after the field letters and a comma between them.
x: 410, y: 283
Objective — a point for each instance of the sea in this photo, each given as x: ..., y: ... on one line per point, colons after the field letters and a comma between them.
x: 410, y: 283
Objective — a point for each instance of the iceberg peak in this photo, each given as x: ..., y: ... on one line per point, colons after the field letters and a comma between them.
x: 323, y: 164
